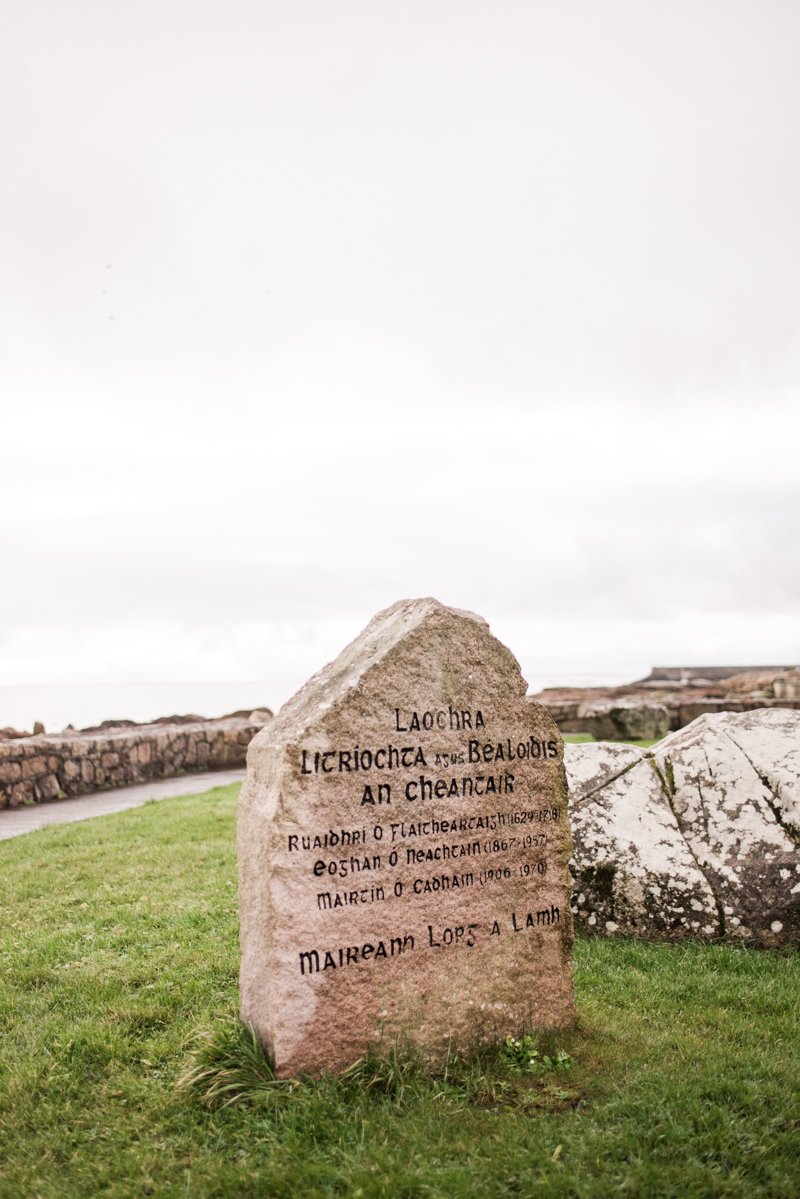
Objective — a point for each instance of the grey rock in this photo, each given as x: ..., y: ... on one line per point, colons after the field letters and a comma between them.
x: 696, y: 837
x: 732, y: 781
x: 624, y: 720
x: 633, y: 873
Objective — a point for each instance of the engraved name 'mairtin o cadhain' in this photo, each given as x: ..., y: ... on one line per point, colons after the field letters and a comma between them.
x: 403, y: 847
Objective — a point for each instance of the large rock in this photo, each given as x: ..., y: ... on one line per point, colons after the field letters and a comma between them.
x: 624, y: 720
x: 732, y: 780
x: 633, y: 872
x: 770, y: 740
x: 697, y: 837
x: 403, y: 850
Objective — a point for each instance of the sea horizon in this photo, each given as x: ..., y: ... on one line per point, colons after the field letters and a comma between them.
x: 83, y: 705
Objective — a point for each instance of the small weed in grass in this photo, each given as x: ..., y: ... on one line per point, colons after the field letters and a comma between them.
x: 120, y: 941
x: 523, y: 1054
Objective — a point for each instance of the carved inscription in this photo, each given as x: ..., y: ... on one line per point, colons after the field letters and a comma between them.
x: 379, y: 863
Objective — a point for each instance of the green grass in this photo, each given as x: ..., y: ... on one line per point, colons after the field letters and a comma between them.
x: 119, y: 943
x: 579, y: 738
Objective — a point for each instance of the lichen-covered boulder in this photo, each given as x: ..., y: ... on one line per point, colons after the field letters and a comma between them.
x: 633, y: 873
x: 697, y: 837
x: 770, y: 740
x: 732, y: 781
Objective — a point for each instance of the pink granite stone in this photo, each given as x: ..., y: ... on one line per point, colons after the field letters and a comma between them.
x: 403, y: 847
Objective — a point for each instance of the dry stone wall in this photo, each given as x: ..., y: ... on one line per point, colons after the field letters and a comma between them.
x: 648, y: 709
x: 42, y: 768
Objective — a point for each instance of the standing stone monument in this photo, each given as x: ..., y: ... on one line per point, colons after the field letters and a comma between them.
x: 403, y: 847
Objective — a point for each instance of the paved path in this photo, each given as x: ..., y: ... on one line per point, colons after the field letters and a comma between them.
x: 16, y: 821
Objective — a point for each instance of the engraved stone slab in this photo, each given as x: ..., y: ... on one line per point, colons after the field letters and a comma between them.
x: 403, y: 849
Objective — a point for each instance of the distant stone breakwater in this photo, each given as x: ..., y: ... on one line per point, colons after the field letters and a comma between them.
x: 43, y: 767
x: 670, y: 698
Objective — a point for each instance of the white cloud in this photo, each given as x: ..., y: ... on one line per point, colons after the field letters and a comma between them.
x: 311, y: 308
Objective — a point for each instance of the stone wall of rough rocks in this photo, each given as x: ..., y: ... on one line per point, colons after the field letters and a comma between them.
x: 40, y: 768
x: 571, y: 715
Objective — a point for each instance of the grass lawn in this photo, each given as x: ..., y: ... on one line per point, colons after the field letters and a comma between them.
x: 581, y: 738
x: 119, y: 941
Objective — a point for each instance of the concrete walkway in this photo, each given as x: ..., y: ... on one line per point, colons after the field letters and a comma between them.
x: 16, y: 821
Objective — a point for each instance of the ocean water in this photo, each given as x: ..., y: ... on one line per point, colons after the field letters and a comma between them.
x: 88, y: 704
x: 83, y: 705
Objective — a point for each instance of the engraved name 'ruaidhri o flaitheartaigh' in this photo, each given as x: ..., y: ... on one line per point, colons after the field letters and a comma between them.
x: 403, y: 846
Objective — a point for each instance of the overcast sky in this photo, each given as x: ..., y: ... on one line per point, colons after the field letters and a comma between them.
x: 307, y: 307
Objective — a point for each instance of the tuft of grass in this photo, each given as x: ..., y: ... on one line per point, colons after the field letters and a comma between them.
x: 228, y: 1066
x: 119, y: 940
